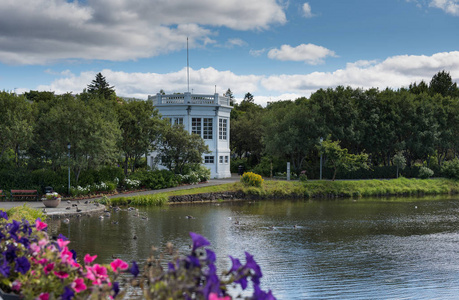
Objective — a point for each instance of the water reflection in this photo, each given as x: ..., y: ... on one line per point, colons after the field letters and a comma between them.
x: 343, y: 249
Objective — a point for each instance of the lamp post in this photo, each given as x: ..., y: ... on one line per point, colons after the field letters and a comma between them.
x: 321, y: 140
x: 68, y: 147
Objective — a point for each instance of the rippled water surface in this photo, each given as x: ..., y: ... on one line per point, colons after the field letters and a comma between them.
x: 341, y: 249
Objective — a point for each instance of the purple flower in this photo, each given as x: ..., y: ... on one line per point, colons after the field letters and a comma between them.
x: 192, y: 261
x: 22, y: 265
x: 3, y: 215
x: 134, y: 269
x: 13, y: 228
x: 68, y: 293
x: 236, y: 264
x: 170, y: 267
x: 116, y: 288
x: 261, y: 295
x: 10, y: 253
x: 250, y: 263
x: 62, y: 237
x: 210, y: 256
x: 26, y: 228
x: 74, y: 254
x: 198, y: 241
x: 25, y: 241
x: 5, y: 269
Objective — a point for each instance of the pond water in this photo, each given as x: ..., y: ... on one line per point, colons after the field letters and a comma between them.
x: 323, y: 249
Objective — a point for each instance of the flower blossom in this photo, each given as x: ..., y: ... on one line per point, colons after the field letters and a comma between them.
x: 78, y: 285
x: 40, y: 225
x: 119, y: 264
x: 88, y: 259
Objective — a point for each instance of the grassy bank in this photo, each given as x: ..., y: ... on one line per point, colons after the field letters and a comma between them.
x: 309, y: 189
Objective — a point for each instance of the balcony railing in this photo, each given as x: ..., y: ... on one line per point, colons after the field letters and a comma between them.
x: 188, y: 98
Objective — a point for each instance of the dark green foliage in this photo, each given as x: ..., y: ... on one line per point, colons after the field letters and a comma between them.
x: 156, y: 180
x: 450, y: 169
x: 100, y: 87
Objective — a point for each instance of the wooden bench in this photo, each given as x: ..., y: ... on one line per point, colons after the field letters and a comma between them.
x: 2, y: 195
x: 24, y: 195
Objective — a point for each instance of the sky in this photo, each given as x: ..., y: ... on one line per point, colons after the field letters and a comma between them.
x: 273, y: 49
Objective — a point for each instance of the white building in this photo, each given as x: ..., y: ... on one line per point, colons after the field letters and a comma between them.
x: 205, y: 115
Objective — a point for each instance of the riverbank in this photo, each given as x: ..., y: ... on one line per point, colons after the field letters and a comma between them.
x: 272, y: 189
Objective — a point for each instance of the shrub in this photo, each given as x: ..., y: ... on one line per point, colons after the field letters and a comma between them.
x: 251, y: 179
x: 158, y: 179
x: 425, y: 173
x: 450, y: 169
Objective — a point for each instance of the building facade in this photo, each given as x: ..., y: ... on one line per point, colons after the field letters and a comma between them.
x: 205, y: 115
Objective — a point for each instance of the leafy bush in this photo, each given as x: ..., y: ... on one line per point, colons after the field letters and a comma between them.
x: 252, y: 179
x: 425, y: 173
x: 450, y: 169
x: 155, y: 180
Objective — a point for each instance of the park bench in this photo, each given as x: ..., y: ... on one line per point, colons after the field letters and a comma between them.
x: 2, y: 195
x: 24, y: 195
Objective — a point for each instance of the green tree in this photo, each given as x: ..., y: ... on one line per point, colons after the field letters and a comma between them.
x: 141, y: 127
x: 16, y: 125
x: 399, y: 161
x: 90, y: 128
x: 179, y: 149
x: 442, y: 84
x: 338, y: 158
x: 230, y: 95
x: 100, y: 87
x: 291, y: 131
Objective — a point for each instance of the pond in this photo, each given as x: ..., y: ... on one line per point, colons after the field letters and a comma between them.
x: 375, y: 248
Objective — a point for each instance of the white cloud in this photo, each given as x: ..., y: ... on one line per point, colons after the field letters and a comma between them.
x: 309, y: 53
x: 230, y: 43
x: 393, y: 72
x: 257, y: 53
x: 307, y: 10
x: 42, y: 31
x: 449, y: 6
x: 140, y: 85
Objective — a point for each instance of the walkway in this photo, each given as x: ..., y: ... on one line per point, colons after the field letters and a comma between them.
x: 84, y: 207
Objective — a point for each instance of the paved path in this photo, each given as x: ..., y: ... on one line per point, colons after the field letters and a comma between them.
x: 62, y: 210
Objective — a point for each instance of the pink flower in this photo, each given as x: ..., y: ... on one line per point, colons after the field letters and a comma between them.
x: 89, y: 259
x: 213, y: 296
x: 119, y: 264
x: 48, y: 268
x: 35, y: 248
x: 43, y: 296
x: 42, y: 242
x: 16, y: 286
x: 40, y: 225
x: 66, y: 255
x: 78, y: 285
x: 100, y: 271
x: 61, y: 274
x: 62, y: 243
x: 90, y: 273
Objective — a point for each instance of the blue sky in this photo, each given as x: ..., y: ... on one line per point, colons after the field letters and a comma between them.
x: 272, y: 49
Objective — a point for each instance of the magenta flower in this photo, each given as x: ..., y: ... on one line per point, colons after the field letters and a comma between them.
x: 119, y: 264
x: 89, y: 259
x: 48, y: 268
x: 40, y: 225
x: 61, y: 274
x: 62, y: 243
x: 198, y: 241
x: 214, y: 296
x: 43, y: 296
x: 78, y: 285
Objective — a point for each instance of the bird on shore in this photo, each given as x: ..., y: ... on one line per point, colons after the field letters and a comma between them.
x: 107, y: 214
x: 68, y: 207
x: 44, y: 211
x: 78, y: 210
x: 74, y: 205
x: 101, y: 217
x: 135, y: 237
x: 66, y: 221
x: 69, y: 202
x: 189, y: 217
